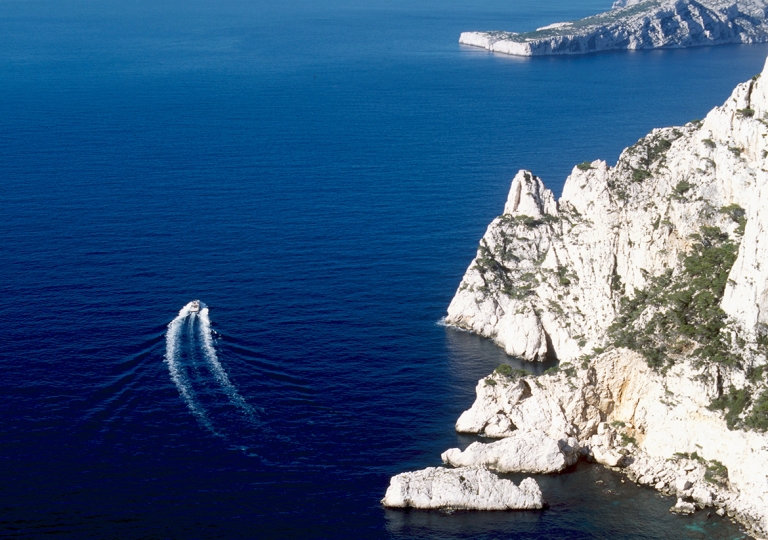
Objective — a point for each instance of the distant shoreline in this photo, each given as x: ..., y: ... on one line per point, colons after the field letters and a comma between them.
x: 652, y: 24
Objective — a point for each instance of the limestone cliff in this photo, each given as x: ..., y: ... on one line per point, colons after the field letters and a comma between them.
x: 649, y: 281
x: 658, y: 428
x: 632, y: 24
x: 550, y: 277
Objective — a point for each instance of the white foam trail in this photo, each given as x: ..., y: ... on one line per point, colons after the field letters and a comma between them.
x: 179, y: 378
x: 206, y: 337
x: 191, y: 342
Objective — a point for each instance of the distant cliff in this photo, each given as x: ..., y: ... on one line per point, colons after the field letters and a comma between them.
x: 651, y: 24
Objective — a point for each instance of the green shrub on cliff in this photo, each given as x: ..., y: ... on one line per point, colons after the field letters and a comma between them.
x: 737, y: 214
x: 658, y: 149
x: 758, y: 416
x: 733, y: 404
x: 686, y: 308
x: 638, y: 175
x: 626, y: 440
x: 682, y: 187
x: 510, y: 372
x: 716, y: 472
x: 756, y: 374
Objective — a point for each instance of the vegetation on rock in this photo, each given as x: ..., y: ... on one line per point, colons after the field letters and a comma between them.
x: 716, y: 473
x: 737, y: 214
x: 749, y: 113
x: 510, y: 372
x: 732, y: 404
x: 681, y: 314
x: 758, y: 416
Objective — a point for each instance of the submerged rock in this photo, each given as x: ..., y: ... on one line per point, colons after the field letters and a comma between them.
x: 468, y: 488
x: 636, y: 24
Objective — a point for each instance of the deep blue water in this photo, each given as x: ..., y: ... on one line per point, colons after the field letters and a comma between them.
x: 318, y: 174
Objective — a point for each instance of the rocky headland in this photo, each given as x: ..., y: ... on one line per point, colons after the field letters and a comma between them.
x: 648, y: 281
x: 649, y: 24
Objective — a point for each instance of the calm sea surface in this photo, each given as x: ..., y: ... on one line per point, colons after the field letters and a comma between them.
x: 318, y: 173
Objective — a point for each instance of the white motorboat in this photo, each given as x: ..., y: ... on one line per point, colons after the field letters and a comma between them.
x: 194, y: 306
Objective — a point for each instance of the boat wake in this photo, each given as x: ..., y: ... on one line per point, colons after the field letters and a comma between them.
x: 188, y: 338
x: 206, y: 339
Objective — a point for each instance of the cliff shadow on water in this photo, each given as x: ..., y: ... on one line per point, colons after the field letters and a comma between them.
x: 472, y: 357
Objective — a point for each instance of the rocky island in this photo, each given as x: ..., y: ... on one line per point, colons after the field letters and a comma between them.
x: 648, y: 281
x: 649, y: 24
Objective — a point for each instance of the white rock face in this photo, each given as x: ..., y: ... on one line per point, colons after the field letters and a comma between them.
x: 461, y: 489
x: 621, y: 413
x: 523, y: 451
x: 525, y: 406
x: 683, y: 507
x: 635, y: 24
x: 557, y: 287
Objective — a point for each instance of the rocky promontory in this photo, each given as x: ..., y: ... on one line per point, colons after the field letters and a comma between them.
x: 648, y: 281
x: 650, y: 24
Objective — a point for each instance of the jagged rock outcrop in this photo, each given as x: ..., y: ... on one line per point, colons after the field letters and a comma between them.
x: 549, y: 277
x: 649, y: 281
x: 649, y: 24
x: 522, y: 451
x: 616, y: 410
x: 469, y: 488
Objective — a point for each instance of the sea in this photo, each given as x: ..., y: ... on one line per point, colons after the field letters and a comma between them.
x: 318, y: 174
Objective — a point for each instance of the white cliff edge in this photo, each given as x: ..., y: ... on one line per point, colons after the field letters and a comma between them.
x: 632, y: 24
x: 648, y: 281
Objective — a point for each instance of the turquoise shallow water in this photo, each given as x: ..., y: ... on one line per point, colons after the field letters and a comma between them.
x: 319, y: 174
